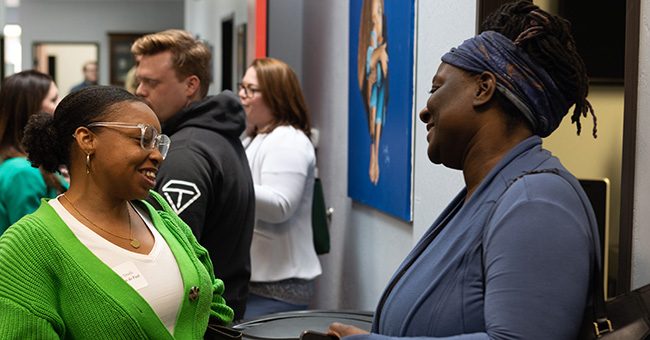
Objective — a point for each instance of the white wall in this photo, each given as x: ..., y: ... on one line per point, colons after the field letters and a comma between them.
x: 435, y: 186
x: 641, y: 231
x: 91, y: 21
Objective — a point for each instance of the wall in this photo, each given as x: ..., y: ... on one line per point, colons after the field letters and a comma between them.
x: 90, y: 21
x: 285, y: 32
x: 641, y: 231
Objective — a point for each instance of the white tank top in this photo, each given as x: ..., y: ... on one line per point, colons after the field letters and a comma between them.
x: 155, y: 276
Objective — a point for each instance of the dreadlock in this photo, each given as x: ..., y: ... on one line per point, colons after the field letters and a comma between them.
x: 548, y: 41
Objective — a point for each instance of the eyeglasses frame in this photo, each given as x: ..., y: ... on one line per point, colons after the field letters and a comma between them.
x: 158, y: 139
x: 248, y: 91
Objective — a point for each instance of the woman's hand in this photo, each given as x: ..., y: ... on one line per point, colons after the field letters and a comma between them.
x: 342, y: 330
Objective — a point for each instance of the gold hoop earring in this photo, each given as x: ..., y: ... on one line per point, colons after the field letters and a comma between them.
x: 87, y: 163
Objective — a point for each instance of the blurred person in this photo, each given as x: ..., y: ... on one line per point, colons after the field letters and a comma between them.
x: 130, y: 81
x: 206, y: 178
x: 282, y: 160
x: 513, y: 256
x: 21, y: 185
x: 89, y: 70
x: 98, y: 261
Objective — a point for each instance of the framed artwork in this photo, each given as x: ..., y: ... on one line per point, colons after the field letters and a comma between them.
x: 381, y: 104
x: 120, y: 58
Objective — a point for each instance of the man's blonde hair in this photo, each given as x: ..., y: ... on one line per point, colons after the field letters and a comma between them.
x: 190, y: 56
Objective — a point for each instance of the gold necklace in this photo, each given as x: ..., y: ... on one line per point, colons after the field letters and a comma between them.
x: 132, y: 241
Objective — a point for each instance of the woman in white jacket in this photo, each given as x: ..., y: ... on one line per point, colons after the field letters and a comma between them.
x: 284, y: 263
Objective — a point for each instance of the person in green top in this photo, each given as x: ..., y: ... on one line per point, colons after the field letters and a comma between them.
x: 99, y: 262
x: 21, y: 185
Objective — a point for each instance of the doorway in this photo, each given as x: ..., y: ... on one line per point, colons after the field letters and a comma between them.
x: 64, y: 61
x: 227, y: 38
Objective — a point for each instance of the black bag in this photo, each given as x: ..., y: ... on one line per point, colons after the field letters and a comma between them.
x: 319, y: 221
x: 623, y: 317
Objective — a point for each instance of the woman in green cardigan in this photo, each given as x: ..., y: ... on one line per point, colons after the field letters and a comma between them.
x: 98, y: 262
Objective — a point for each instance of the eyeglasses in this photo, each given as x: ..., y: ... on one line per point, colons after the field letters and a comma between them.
x: 150, y: 139
x: 249, y: 91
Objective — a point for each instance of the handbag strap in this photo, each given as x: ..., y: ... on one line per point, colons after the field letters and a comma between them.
x: 601, y: 323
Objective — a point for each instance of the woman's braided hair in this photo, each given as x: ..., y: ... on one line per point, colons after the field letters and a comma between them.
x: 548, y: 41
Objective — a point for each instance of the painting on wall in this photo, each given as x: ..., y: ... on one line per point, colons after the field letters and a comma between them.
x: 381, y: 104
x: 121, y: 59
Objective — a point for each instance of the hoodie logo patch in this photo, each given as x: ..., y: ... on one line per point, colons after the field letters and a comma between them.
x: 180, y: 194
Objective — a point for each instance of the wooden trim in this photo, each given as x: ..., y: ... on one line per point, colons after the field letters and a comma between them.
x: 632, y: 21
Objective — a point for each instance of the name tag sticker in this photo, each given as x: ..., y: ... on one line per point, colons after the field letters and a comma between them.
x: 131, y: 275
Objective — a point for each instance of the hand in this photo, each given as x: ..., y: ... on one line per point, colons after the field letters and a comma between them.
x: 342, y: 330
x: 372, y: 77
x: 383, y: 58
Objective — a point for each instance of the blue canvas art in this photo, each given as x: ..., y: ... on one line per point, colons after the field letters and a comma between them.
x: 381, y: 104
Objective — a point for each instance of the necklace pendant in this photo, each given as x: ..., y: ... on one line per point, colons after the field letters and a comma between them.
x: 135, y: 243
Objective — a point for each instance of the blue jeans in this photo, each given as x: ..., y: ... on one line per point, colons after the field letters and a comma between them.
x: 259, y: 306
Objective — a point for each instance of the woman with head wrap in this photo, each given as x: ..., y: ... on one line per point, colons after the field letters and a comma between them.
x: 513, y: 255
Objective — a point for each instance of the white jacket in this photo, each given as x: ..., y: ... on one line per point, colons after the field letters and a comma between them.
x: 282, y: 165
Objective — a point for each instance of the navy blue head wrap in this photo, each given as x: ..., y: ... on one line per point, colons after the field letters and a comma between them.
x: 527, y: 85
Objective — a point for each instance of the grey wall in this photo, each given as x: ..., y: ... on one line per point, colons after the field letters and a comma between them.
x: 90, y: 21
x: 285, y: 31
x: 641, y: 231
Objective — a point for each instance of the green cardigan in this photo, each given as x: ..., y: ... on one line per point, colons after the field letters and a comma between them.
x: 52, y: 286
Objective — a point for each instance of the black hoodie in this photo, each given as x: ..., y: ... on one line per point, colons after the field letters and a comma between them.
x: 206, y: 179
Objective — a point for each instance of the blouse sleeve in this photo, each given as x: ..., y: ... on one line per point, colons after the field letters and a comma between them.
x: 28, y: 187
x: 282, y: 183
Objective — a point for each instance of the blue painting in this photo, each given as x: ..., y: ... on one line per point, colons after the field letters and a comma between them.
x: 381, y: 104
